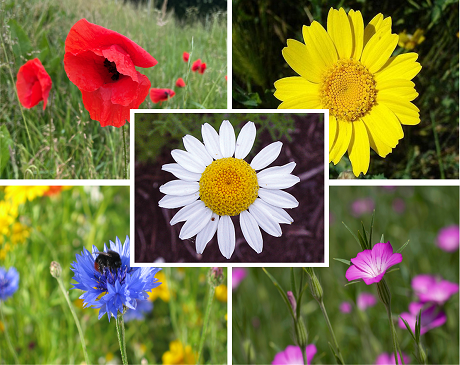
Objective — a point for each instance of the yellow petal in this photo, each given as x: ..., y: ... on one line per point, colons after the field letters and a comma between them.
x: 298, y: 57
x: 294, y: 86
x: 398, y: 88
x: 357, y: 29
x: 358, y: 150
x: 400, y: 67
x: 320, y: 46
x: 332, y: 131
x: 407, y: 113
x: 301, y: 102
x: 378, y: 50
x: 338, y: 28
x: 342, y: 141
x: 377, y: 145
x: 383, y: 123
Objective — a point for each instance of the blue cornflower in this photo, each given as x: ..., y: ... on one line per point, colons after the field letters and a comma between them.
x: 9, y: 282
x: 112, y: 289
x: 143, y: 307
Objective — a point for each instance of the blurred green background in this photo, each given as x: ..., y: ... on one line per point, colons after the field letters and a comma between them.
x: 39, y: 322
x: 262, y: 325
x: 428, y: 150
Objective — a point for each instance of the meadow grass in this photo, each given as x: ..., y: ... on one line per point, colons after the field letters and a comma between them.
x: 262, y: 325
x: 62, y: 141
x: 38, y: 319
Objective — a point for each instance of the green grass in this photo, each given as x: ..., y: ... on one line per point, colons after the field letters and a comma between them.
x: 38, y: 319
x: 262, y: 325
x: 62, y: 141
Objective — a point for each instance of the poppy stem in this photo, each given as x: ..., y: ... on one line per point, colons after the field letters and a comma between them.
x: 124, y: 152
x: 16, y: 360
x: 121, y: 337
x: 206, y: 320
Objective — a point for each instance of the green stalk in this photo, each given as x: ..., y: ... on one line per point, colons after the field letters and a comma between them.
x: 336, y: 344
x: 16, y: 360
x: 304, y: 356
x: 124, y: 152
x: 393, y: 336
x: 121, y: 337
x: 77, y: 322
x: 206, y: 320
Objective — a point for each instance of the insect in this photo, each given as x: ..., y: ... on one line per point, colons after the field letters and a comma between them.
x: 109, y: 260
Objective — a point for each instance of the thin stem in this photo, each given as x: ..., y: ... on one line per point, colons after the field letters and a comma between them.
x: 121, y: 337
x: 304, y: 356
x: 323, y: 309
x: 77, y: 322
x: 16, y: 360
x: 393, y: 336
x: 206, y: 320
x: 124, y: 152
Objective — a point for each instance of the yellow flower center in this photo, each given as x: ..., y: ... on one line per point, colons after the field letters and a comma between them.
x: 228, y: 186
x: 348, y: 90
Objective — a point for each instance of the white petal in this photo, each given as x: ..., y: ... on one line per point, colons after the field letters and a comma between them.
x: 188, y: 161
x: 205, y: 235
x: 227, y: 139
x: 267, y: 155
x: 195, y: 223
x: 211, y: 141
x: 180, y: 187
x: 279, y: 214
x: 277, y: 181
x: 278, y: 198
x: 196, y: 148
x: 265, y: 220
x: 171, y: 201
x: 278, y: 170
x: 251, y: 231
x: 245, y: 140
x: 186, y: 212
x: 226, y: 236
x: 181, y: 173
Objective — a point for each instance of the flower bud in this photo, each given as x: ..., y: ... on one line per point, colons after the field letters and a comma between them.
x: 55, y: 269
x: 315, y: 286
x: 215, y: 276
x: 292, y: 300
x: 301, y: 334
x: 422, y: 354
x: 384, y: 293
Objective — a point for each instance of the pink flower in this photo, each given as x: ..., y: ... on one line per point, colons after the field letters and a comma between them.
x: 448, y: 238
x: 371, y: 265
x: 345, y: 307
x: 362, y: 206
x: 389, y: 359
x: 399, y: 206
x: 292, y: 355
x: 434, y: 289
x: 238, y: 274
x: 365, y: 300
x: 432, y: 316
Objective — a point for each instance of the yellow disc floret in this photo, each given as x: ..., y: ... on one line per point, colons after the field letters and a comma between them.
x: 348, y: 90
x: 228, y: 186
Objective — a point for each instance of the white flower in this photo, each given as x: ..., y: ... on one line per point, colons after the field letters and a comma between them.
x: 213, y: 186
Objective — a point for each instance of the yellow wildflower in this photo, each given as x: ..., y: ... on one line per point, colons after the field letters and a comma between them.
x: 161, y: 291
x: 178, y: 355
x: 409, y: 41
x: 221, y: 293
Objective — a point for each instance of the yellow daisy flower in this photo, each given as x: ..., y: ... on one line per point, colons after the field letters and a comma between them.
x: 349, y: 70
x: 20, y: 194
x: 409, y: 41
x: 177, y: 354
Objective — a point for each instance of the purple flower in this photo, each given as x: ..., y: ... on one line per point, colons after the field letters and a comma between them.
x: 399, y: 206
x: 292, y: 355
x: 430, y: 288
x: 389, y: 359
x: 432, y: 316
x: 448, y: 239
x: 345, y: 307
x: 238, y: 274
x: 365, y: 300
x: 9, y: 282
x: 362, y: 206
x: 143, y: 307
x: 371, y: 265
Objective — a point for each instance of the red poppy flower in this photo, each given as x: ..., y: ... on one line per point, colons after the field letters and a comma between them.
x: 196, y: 65
x: 202, y: 68
x: 33, y: 84
x: 160, y: 95
x: 100, y: 62
x: 225, y: 77
x: 180, y: 82
x: 185, y: 56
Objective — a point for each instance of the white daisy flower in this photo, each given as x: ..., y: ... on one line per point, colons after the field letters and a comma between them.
x: 213, y: 186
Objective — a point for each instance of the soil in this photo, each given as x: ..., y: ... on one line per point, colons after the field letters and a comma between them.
x: 301, y: 242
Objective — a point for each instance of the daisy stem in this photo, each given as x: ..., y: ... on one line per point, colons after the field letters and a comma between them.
x: 77, y: 322
x: 124, y: 152
x: 323, y: 309
x: 121, y: 337
x: 16, y: 360
x: 206, y: 320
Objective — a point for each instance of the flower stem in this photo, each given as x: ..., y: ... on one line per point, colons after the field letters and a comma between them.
x: 124, y: 153
x: 77, y: 322
x: 16, y: 360
x: 304, y: 356
x: 393, y: 336
x: 206, y: 320
x: 323, y: 309
x: 121, y: 337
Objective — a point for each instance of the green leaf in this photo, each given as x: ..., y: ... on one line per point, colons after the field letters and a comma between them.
x: 349, y: 230
x: 343, y: 260
x: 408, y: 327
x: 382, y: 239
x: 361, y: 241
x: 371, y: 228
x: 402, y: 247
x: 368, y: 246
x: 394, y: 269
x: 293, y: 286
x: 22, y: 47
x: 281, y: 291
x: 44, y: 48
x: 352, y: 282
x: 5, y: 144
x: 337, y: 359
